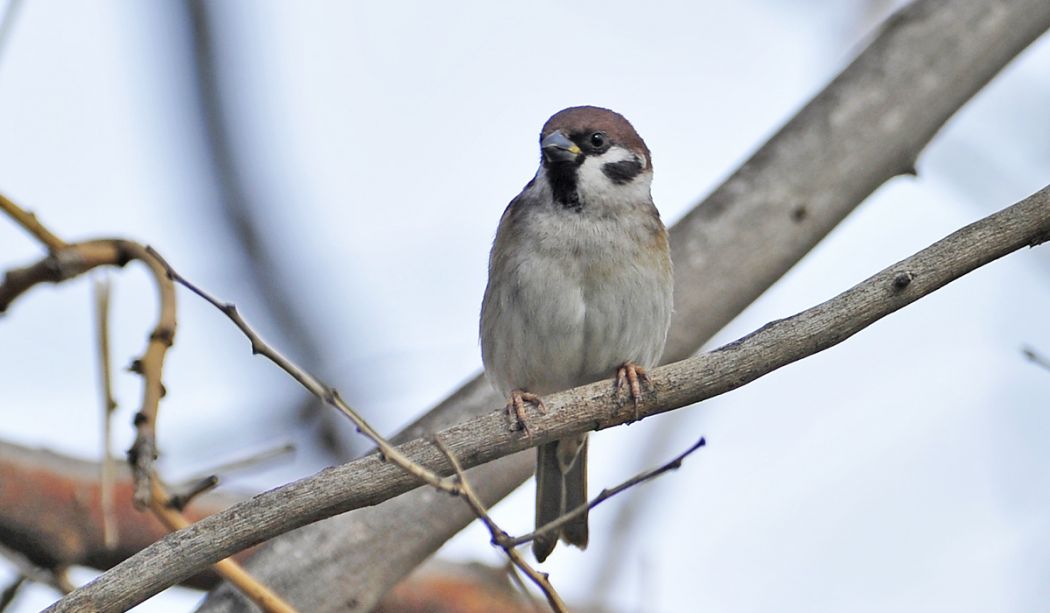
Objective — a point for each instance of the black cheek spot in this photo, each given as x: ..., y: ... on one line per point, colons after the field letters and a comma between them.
x: 622, y: 172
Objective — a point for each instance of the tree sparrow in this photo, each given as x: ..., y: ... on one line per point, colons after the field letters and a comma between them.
x: 579, y: 289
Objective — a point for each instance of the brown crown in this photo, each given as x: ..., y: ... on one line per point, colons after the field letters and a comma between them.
x: 582, y: 119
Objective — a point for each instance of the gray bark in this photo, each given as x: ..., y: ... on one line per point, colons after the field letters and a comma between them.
x: 482, y: 439
x: 867, y: 126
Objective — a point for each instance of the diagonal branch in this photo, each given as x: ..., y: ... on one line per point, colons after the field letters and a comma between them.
x: 867, y: 126
x: 369, y: 480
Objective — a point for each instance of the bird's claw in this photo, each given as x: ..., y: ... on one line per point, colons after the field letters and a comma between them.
x: 632, y: 377
x: 516, y: 407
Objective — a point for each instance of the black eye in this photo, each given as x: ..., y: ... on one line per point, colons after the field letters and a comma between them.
x: 598, y: 140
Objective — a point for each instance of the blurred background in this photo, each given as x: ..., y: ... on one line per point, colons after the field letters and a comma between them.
x: 338, y: 170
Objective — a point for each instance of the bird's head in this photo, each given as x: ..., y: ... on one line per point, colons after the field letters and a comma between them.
x: 593, y: 156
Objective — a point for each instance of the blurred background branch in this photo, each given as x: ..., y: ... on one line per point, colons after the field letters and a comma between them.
x: 927, y: 61
x: 243, y: 213
x: 345, y: 127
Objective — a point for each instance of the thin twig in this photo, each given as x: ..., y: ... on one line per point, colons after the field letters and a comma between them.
x: 1035, y: 357
x: 76, y: 258
x: 230, y: 570
x: 107, y: 467
x: 248, y: 461
x: 29, y: 222
x: 499, y: 537
x: 605, y: 494
x: 482, y: 439
x: 201, y: 486
x: 320, y: 389
x: 66, y: 260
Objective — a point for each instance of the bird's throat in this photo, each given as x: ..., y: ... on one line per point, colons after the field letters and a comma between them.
x: 563, y: 180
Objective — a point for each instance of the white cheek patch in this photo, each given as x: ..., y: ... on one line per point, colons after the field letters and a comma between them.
x: 595, y: 185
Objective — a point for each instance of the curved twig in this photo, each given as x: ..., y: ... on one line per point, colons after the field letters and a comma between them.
x: 67, y: 260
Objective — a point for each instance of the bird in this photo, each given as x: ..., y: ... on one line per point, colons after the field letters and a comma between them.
x: 579, y: 290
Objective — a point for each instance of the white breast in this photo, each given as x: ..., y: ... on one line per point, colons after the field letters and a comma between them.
x: 578, y: 294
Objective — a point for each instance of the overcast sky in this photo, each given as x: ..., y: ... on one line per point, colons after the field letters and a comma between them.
x: 903, y: 470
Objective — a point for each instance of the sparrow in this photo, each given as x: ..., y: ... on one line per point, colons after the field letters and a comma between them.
x: 579, y: 290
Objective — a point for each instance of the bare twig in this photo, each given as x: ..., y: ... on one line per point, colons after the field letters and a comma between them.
x: 499, y: 537
x: 330, y: 396
x: 109, y: 405
x: 367, y: 481
x: 29, y: 222
x: 67, y: 260
x: 251, y: 460
x: 180, y: 500
x: 77, y: 258
x: 605, y: 494
x: 870, y: 123
x: 322, y: 390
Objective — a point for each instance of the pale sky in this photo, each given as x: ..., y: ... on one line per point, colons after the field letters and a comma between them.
x: 903, y: 470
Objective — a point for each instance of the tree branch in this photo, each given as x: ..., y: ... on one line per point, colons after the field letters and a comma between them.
x: 52, y: 512
x: 865, y: 127
x: 369, y: 480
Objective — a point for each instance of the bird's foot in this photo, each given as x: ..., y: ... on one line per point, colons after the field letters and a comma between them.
x: 516, y: 407
x: 631, y: 377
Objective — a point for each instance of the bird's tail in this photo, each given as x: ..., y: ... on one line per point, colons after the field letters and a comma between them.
x: 561, y: 485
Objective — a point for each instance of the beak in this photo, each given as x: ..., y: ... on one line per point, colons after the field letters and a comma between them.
x: 558, y: 148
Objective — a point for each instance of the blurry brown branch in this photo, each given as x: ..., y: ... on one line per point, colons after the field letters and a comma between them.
x: 867, y: 126
x: 244, y: 213
x: 443, y: 586
x: 370, y: 479
x: 52, y: 512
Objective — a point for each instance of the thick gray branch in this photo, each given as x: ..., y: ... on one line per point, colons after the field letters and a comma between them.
x: 369, y: 480
x: 868, y: 125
